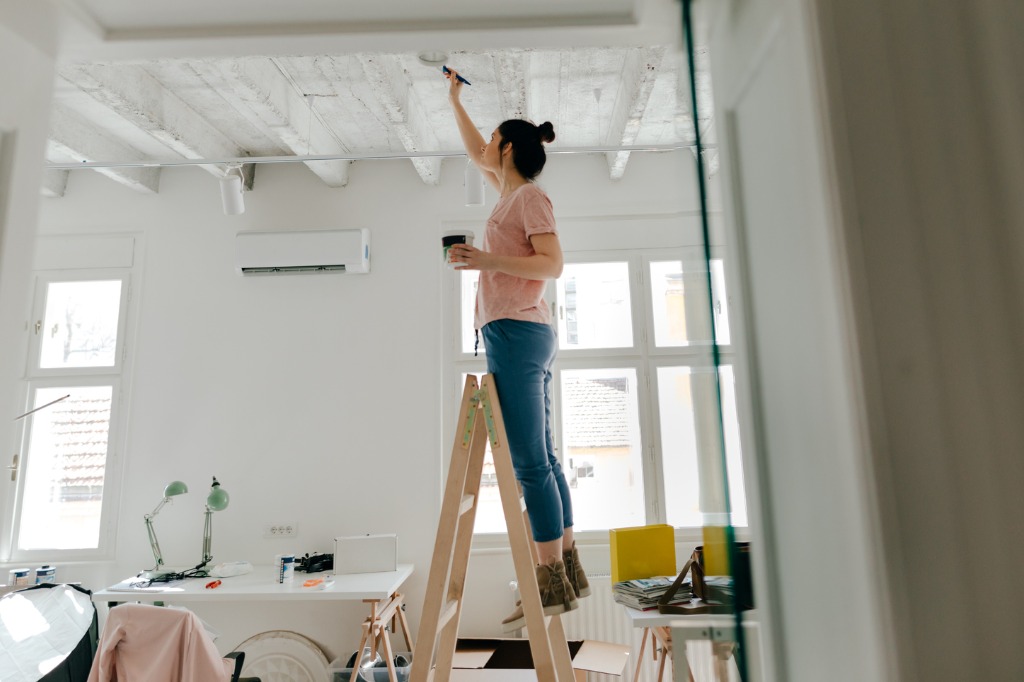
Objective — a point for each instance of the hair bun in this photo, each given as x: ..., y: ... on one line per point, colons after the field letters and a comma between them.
x: 546, y: 131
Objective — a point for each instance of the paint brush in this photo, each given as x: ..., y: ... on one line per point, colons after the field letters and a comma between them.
x: 448, y: 71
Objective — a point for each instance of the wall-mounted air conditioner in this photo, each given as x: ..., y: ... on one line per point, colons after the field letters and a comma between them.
x: 302, y: 251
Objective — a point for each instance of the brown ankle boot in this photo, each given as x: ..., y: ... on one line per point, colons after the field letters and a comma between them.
x: 556, y: 596
x: 574, y: 571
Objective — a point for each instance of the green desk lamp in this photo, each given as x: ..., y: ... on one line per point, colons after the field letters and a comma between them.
x: 217, y: 500
x: 173, y: 489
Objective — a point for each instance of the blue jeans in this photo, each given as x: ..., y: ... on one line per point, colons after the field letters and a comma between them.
x: 519, y: 355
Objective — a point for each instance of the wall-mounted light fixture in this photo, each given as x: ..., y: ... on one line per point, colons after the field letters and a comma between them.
x: 231, y: 188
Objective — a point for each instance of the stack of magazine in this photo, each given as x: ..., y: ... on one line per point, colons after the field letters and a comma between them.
x: 644, y: 593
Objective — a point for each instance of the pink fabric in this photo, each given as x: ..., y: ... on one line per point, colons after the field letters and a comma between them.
x: 142, y: 643
x: 517, y: 217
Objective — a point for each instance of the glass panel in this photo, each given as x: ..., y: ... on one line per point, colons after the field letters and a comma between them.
x: 593, y: 306
x: 467, y: 288
x: 65, y: 466
x: 80, y: 325
x: 603, y: 450
x: 721, y: 302
x: 671, y: 292
x: 683, y: 398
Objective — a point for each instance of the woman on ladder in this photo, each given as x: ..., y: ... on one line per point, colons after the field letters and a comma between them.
x: 520, y: 253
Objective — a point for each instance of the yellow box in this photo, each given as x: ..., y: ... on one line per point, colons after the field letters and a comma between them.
x: 642, y: 552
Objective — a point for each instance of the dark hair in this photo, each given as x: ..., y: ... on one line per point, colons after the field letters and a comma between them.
x: 527, y: 144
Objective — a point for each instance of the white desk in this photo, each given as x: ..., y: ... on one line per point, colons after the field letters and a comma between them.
x: 379, y: 590
x: 675, y: 630
x: 261, y: 586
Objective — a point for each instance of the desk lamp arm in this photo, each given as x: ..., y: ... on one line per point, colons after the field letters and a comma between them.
x: 154, y: 544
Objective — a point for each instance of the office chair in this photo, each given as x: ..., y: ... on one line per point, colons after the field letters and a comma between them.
x: 157, y: 644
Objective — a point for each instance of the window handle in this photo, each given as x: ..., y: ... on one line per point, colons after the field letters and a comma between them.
x: 39, y: 325
x: 14, y: 467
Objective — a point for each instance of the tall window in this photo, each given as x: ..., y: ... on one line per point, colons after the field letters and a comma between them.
x: 74, y: 376
x: 635, y: 399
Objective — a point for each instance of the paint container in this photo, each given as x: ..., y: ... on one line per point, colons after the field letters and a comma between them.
x: 46, y: 574
x: 285, y: 565
x: 19, y: 577
x: 452, y: 237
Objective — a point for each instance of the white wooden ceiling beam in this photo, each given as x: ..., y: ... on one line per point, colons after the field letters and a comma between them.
x: 407, y: 117
x: 73, y: 137
x: 55, y: 182
x: 639, y: 72
x: 510, y: 69
x: 259, y: 91
x: 139, y: 98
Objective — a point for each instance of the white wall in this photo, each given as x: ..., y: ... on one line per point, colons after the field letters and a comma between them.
x: 314, y: 399
x: 26, y: 70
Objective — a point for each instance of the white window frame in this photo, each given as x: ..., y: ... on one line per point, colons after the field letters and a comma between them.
x: 117, y: 376
x: 644, y: 357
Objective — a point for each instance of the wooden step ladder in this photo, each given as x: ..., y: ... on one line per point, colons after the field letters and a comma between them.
x: 480, y: 419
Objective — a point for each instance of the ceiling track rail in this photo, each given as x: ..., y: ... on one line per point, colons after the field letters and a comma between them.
x: 381, y: 156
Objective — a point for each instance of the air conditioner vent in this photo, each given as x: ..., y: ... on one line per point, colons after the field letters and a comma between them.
x: 303, y: 252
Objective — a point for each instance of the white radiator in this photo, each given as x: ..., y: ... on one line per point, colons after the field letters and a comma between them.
x: 599, y: 617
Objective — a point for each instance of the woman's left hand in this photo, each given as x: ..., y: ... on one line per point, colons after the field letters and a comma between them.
x: 474, y: 258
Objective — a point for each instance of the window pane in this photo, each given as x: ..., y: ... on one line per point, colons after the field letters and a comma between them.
x: 65, y: 465
x: 490, y: 516
x: 603, y: 453
x: 681, y: 398
x: 468, y: 284
x: 80, y: 325
x: 669, y: 303
x: 593, y: 306
x: 733, y: 452
x: 679, y: 447
x: 680, y: 303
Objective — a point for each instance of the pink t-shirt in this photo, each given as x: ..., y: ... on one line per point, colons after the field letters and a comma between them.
x: 517, y: 217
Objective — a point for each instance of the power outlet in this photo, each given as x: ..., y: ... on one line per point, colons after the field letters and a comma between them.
x: 280, y: 530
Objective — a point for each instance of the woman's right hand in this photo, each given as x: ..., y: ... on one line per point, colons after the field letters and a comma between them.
x: 454, y: 85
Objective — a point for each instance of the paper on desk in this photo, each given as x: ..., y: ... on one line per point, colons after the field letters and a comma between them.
x: 140, y: 585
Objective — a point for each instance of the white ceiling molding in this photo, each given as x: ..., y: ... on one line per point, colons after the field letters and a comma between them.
x: 74, y: 138
x: 406, y: 117
x: 119, y: 30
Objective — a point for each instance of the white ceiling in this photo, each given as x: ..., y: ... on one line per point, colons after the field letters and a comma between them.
x: 143, y: 81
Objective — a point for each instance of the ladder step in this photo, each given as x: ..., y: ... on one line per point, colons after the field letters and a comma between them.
x: 447, y: 613
x: 467, y: 503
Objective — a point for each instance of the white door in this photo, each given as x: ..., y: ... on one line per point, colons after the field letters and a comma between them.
x: 810, y: 506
